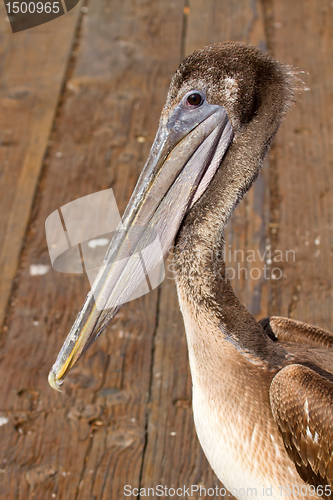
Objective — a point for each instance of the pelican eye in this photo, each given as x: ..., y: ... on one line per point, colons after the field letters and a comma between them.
x: 194, y: 99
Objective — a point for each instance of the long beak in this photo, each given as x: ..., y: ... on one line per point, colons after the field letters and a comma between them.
x: 187, y: 150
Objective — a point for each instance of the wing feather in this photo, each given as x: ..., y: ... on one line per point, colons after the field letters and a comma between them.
x: 291, y: 330
x: 302, y: 406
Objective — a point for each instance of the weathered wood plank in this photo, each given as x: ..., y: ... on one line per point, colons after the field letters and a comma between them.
x: 88, y: 442
x: 212, y: 22
x: 32, y: 74
x: 301, y: 35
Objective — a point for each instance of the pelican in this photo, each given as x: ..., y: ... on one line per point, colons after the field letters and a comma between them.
x: 262, y: 391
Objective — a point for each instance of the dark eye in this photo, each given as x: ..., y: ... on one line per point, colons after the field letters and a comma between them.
x: 194, y: 100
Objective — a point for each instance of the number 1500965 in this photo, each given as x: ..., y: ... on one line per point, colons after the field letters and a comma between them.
x: 32, y: 7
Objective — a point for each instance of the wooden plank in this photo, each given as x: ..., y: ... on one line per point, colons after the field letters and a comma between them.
x: 173, y: 455
x: 213, y: 22
x: 89, y: 441
x: 301, y: 35
x: 30, y: 86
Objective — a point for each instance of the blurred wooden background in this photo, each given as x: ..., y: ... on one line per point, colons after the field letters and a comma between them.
x: 80, y: 99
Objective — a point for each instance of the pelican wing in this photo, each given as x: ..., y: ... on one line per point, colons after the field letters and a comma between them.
x: 291, y: 330
x: 302, y: 406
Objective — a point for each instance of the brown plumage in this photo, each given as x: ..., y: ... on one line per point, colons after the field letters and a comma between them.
x: 294, y: 359
x: 301, y: 402
x: 262, y: 391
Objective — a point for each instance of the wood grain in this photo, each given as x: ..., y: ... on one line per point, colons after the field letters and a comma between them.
x: 32, y: 76
x: 303, y: 164
x: 88, y: 442
x: 125, y: 415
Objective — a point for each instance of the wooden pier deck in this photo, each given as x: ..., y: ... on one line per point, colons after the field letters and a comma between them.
x: 80, y: 99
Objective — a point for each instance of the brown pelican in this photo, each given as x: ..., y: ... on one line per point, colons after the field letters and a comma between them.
x: 262, y: 391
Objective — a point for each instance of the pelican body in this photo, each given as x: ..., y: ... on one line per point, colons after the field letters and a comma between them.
x: 262, y: 391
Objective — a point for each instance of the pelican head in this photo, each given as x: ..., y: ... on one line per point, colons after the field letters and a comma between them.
x: 223, y: 108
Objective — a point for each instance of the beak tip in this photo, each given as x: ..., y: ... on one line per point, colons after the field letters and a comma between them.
x: 53, y: 381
